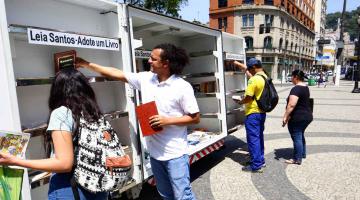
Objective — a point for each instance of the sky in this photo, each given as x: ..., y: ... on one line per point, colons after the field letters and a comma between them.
x: 196, y: 9
x: 337, y: 5
x: 199, y: 9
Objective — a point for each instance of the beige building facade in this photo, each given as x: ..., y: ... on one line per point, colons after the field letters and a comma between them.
x: 279, y: 33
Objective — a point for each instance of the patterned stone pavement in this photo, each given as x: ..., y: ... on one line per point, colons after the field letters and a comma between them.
x: 331, y: 170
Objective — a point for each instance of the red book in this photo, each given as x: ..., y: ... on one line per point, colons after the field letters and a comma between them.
x: 144, y: 112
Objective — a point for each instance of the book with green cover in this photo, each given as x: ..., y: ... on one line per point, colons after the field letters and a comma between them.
x: 10, y: 183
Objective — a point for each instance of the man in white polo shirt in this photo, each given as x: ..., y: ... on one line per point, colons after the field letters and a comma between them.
x: 177, y: 108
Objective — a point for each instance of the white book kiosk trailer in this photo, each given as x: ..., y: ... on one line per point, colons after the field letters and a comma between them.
x: 116, y: 35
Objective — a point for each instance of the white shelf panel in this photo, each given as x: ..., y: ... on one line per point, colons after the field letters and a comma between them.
x: 209, y: 115
x: 41, y: 129
x: 201, y: 53
x: 49, y: 80
x: 232, y: 73
x: 199, y: 75
x: 234, y: 91
x: 207, y: 95
x: 213, y: 138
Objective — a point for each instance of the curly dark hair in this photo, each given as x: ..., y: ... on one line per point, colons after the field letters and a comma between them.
x: 176, y: 56
x: 71, y: 89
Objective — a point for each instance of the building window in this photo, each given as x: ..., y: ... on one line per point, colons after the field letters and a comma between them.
x: 268, y: 59
x: 281, y: 22
x: 291, y: 47
x: 245, y: 20
x: 251, y: 20
x: 222, y: 23
x: 248, y: 2
x: 268, y: 42
x: 269, y: 20
x: 248, y: 20
x: 286, y: 44
x: 269, y: 2
x: 249, y: 43
x: 280, y: 43
x: 222, y: 3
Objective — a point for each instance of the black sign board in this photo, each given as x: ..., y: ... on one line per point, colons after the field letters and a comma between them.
x: 324, y: 41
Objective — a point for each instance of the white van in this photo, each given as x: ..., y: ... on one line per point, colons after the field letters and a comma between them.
x: 116, y: 35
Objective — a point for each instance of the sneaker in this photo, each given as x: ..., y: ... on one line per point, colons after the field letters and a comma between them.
x: 248, y: 169
x: 292, y: 161
x: 249, y: 163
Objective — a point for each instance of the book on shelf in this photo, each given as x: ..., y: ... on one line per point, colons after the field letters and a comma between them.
x: 144, y: 112
x: 63, y: 60
x: 204, y: 87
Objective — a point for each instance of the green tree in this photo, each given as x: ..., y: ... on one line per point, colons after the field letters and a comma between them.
x: 167, y: 7
x: 350, y: 22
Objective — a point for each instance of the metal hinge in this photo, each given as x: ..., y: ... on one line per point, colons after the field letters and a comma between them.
x: 123, y: 21
x: 130, y: 92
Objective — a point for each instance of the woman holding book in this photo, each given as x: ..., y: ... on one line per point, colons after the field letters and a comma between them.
x: 71, y: 98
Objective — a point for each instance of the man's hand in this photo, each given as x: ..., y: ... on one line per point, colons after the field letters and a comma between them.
x: 239, y: 65
x: 157, y: 121
x: 79, y: 62
x: 7, y: 159
x: 237, y: 101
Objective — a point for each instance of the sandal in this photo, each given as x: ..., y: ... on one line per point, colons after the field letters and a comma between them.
x: 292, y: 161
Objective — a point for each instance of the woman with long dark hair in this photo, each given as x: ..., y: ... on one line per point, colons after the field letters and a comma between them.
x: 298, y: 115
x: 71, y: 98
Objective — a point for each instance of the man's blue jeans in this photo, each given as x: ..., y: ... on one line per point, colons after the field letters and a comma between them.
x: 296, y: 130
x: 254, y: 125
x: 173, y: 178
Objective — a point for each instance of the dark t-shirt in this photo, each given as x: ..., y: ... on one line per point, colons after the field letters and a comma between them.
x: 302, y: 110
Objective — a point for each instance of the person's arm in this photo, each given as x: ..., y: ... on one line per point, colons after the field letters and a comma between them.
x: 249, y: 92
x: 160, y: 121
x: 243, y: 67
x: 110, y: 72
x: 62, y: 162
x: 293, y: 99
x: 245, y: 100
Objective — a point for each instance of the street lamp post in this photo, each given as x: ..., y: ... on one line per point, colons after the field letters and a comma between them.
x: 357, y: 74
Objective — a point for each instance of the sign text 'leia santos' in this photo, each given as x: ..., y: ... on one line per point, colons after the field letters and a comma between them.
x: 55, y: 38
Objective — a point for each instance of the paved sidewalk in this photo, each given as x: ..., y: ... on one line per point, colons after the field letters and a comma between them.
x: 330, y: 171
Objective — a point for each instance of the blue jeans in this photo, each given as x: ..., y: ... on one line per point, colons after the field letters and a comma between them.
x: 173, y: 178
x: 60, y: 189
x: 296, y: 130
x: 254, y: 125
